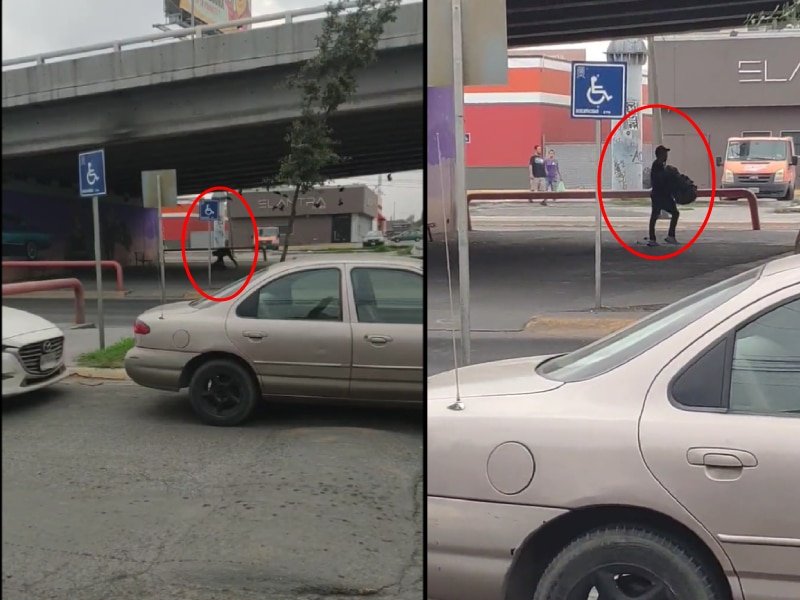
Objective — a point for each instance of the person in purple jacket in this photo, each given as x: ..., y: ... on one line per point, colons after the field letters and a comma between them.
x: 552, y: 174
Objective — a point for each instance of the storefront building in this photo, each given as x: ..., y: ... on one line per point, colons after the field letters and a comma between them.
x: 324, y: 216
x: 739, y: 83
x: 503, y: 123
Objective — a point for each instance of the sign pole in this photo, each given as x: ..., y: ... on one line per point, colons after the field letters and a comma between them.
x: 209, y: 254
x: 461, y: 206
x: 598, y: 228
x: 161, y: 254
x: 599, y: 93
x: 101, y: 326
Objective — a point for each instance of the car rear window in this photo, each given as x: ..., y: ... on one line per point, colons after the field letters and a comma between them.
x: 617, y: 349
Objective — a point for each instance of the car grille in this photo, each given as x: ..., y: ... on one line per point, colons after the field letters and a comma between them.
x: 751, y: 179
x: 30, y: 354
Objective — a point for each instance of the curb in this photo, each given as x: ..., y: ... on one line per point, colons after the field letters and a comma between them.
x: 581, y: 327
x: 101, y: 374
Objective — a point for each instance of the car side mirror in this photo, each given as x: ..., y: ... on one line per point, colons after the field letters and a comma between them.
x: 794, y: 161
x: 719, y: 161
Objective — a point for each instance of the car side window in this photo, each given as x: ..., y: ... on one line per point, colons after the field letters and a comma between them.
x: 702, y: 384
x: 765, y: 372
x: 392, y: 296
x: 312, y: 295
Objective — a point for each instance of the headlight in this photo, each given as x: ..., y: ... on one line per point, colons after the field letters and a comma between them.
x: 6, y: 348
x: 728, y: 177
x: 779, y: 175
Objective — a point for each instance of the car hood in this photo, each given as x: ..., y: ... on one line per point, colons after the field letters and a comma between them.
x: 499, y: 378
x: 18, y: 322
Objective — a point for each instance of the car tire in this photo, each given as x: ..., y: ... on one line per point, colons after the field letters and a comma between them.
x: 31, y: 251
x: 641, y: 557
x: 233, y: 402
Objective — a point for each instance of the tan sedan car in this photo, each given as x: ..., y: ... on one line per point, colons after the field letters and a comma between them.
x: 662, y: 462
x: 339, y: 327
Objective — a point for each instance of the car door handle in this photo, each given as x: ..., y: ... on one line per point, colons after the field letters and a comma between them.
x: 721, y: 458
x: 254, y: 335
x: 378, y: 340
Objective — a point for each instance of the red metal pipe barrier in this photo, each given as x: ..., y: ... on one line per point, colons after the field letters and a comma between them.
x: 501, y: 195
x: 32, y: 264
x: 26, y: 287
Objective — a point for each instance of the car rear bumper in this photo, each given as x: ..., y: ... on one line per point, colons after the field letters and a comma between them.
x: 157, y: 369
x: 471, y: 545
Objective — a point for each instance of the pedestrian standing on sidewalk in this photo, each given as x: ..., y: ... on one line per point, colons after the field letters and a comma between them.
x: 661, y: 198
x: 552, y: 174
x: 536, y: 171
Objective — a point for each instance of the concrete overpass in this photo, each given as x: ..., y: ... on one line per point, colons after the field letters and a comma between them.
x: 533, y: 23
x: 215, y: 108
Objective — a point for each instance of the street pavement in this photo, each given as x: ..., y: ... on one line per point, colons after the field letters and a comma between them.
x: 518, y: 275
x: 488, y: 347
x: 111, y: 491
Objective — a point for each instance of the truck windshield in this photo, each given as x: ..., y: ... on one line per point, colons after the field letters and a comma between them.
x: 268, y: 231
x: 757, y: 150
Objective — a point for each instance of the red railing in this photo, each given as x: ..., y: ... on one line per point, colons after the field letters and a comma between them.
x: 26, y: 287
x: 501, y: 195
x: 33, y: 264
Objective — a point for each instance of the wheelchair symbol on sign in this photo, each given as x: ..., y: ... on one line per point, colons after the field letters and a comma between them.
x: 595, y: 90
x: 91, y: 176
x: 209, y: 211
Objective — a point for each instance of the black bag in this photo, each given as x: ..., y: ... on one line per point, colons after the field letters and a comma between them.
x: 684, y: 189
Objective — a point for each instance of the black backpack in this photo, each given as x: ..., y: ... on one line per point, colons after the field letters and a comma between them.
x: 684, y: 189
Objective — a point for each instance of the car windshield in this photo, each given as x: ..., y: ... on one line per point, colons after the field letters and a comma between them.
x: 223, y: 292
x: 268, y: 231
x: 757, y: 150
x: 617, y: 349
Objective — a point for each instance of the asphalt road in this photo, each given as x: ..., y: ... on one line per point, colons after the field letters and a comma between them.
x: 515, y: 275
x: 112, y: 491
x: 488, y: 347
x: 118, y: 312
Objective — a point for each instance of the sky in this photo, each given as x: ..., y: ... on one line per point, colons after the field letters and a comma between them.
x: 37, y: 26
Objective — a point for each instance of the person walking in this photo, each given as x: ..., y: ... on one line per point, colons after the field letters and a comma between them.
x: 661, y: 197
x: 536, y: 171
x: 221, y: 253
x: 552, y: 174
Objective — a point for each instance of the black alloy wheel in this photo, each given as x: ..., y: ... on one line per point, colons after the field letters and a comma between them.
x: 627, y: 563
x: 223, y: 393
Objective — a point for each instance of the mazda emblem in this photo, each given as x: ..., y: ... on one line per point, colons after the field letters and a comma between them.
x: 47, y: 346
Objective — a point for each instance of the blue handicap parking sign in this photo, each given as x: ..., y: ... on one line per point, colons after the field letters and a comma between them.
x: 92, y: 173
x: 598, y: 90
x: 209, y: 210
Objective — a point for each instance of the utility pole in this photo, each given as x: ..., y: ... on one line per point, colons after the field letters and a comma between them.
x: 652, y: 91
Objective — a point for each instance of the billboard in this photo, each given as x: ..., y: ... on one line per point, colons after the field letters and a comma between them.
x: 208, y: 12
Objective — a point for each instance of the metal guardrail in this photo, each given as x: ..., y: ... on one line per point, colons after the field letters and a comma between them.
x: 65, y: 264
x: 503, y: 195
x: 27, y: 287
x: 285, y: 18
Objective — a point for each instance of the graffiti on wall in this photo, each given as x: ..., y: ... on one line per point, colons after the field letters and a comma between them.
x: 38, y: 227
x: 626, y: 152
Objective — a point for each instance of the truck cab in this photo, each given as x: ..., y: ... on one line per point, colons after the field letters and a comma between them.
x: 767, y: 166
x: 269, y: 238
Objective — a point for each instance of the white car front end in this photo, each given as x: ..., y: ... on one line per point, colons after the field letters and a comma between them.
x: 33, y: 353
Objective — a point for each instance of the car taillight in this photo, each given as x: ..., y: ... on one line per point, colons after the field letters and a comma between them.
x: 140, y: 327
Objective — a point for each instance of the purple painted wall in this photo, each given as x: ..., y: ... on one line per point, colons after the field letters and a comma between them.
x: 441, y: 156
x: 62, y: 227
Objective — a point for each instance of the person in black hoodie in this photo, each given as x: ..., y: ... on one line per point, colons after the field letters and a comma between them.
x: 661, y: 198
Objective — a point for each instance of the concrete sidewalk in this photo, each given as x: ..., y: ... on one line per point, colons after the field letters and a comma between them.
x: 517, y: 277
x: 580, y: 214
